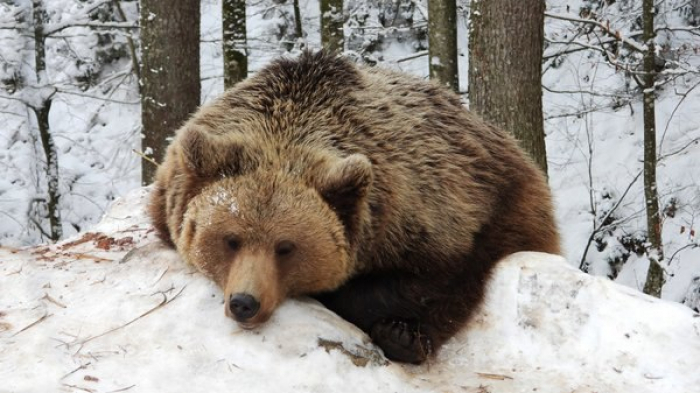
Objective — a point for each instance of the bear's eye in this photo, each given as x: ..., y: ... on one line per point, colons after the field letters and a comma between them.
x: 284, y: 248
x: 233, y: 244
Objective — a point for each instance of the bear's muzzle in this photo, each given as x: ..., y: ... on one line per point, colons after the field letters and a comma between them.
x: 243, y: 306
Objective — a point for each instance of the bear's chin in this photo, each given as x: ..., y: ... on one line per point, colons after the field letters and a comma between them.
x: 255, y: 322
x: 248, y: 325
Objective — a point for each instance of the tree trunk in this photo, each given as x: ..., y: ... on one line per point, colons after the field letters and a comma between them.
x: 442, y: 42
x: 506, y: 39
x: 234, y: 41
x: 130, y: 43
x: 332, y: 18
x: 695, y: 12
x: 170, y: 80
x: 298, y: 32
x: 655, y: 276
x: 53, y: 205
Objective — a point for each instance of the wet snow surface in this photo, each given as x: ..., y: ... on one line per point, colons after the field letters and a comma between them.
x: 111, y: 310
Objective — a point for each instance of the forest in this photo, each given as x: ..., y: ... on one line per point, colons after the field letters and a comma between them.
x: 602, y: 93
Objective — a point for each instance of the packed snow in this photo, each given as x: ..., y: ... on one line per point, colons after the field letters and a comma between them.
x: 112, y: 310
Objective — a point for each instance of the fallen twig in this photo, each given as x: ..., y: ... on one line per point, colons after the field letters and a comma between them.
x: 161, y: 275
x: 81, y: 255
x: 122, y: 389
x: 43, y: 317
x: 164, y: 302
x: 54, y: 301
x: 82, y: 366
x: 144, y: 156
x: 80, y: 387
x: 493, y: 376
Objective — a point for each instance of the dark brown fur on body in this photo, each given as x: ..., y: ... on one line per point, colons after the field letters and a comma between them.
x: 397, y: 200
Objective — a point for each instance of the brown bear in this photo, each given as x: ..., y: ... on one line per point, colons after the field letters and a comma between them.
x: 375, y: 192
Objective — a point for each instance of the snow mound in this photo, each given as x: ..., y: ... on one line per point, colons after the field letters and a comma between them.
x: 112, y: 310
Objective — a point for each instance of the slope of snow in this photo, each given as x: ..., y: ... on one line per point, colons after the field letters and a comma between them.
x: 112, y: 310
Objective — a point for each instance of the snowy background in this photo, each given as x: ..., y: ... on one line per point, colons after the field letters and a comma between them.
x: 592, y: 110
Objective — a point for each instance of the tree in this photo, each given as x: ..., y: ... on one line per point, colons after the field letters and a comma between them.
x: 234, y: 41
x: 695, y: 12
x: 298, y: 31
x: 41, y: 112
x: 52, y: 59
x: 505, y: 72
x: 372, y: 30
x: 442, y: 42
x: 630, y: 47
x: 655, y: 275
x: 332, y: 17
x: 170, y: 78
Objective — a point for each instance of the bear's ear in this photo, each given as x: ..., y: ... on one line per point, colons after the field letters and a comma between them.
x: 209, y: 155
x: 346, y: 183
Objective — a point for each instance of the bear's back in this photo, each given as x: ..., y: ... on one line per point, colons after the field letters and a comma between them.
x: 441, y: 175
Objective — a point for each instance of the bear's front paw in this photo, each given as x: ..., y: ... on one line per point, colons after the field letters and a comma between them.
x: 401, y: 340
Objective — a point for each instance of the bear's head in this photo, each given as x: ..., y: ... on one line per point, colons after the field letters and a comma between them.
x: 265, y: 228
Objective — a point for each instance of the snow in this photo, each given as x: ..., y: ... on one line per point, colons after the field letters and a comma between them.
x: 112, y: 309
x: 593, y: 123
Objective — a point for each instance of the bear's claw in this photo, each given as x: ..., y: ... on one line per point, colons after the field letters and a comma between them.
x: 402, y: 341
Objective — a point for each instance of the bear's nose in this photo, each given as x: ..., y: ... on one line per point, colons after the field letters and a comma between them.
x: 243, y: 306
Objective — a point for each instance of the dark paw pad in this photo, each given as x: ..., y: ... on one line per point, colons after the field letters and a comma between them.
x: 401, y: 341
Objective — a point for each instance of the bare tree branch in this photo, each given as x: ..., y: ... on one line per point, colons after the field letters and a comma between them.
x: 673, y: 113
x: 604, y: 27
x: 602, y: 226
x: 136, y: 102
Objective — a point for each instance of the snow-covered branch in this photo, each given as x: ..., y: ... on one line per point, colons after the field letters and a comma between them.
x: 603, y: 223
x: 13, y: 26
x: 580, y: 46
x: 689, y: 29
x: 410, y: 57
x: 54, y: 28
x: 589, y: 92
x: 673, y: 113
x: 605, y: 27
x: 125, y: 102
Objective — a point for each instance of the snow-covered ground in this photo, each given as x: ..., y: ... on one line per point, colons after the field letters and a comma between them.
x: 111, y: 310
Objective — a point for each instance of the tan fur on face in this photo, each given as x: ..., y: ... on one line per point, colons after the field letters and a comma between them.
x: 260, y: 210
x: 254, y: 273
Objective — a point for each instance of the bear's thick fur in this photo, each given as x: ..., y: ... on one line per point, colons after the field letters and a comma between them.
x: 376, y: 192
